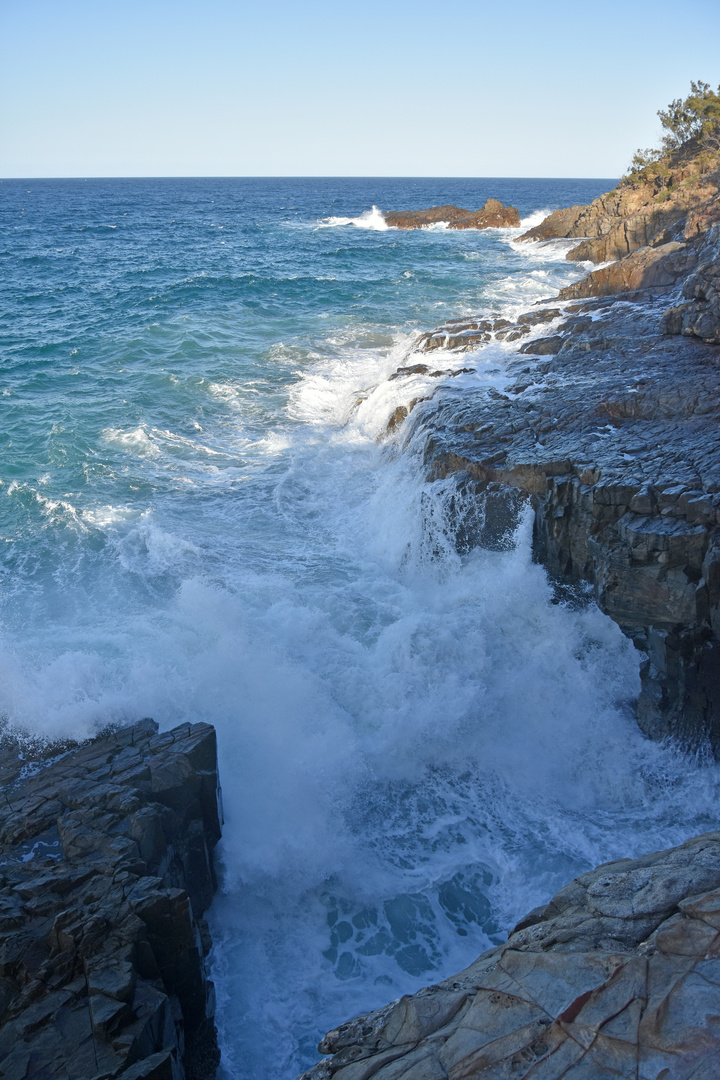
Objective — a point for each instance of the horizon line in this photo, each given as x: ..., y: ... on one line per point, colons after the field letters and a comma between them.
x: 292, y: 176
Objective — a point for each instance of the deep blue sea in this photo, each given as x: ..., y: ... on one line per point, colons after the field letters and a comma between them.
x: 203, y: 518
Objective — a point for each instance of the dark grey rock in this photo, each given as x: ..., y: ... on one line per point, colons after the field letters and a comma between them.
x: 107, y: 870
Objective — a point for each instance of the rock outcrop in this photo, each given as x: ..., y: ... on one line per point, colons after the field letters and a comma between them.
x: 106, y: 872
x: 674, y: 200
x: 618, y: 976
x: 699, y: 315
x: 493, y: 215
x: 609, y: 427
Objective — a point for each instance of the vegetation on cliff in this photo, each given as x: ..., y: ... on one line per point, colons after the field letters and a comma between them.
x: 691, y: 128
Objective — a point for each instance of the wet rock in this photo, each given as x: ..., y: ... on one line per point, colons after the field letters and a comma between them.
x: 463, y: 335
x: 615, y: 976
x: 107, y: 870
x: 610, y: 431
x: 547, y: 346
x: 493, y: 215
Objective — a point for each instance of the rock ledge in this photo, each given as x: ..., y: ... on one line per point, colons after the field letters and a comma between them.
x: 618, y: 976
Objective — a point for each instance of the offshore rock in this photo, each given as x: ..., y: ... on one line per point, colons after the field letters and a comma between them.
x: 106, y: 872
x: 493, y: 215
x: 618, y: 975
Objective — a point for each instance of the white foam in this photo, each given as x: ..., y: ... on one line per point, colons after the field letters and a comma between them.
x: 536, y: 218
x: 371, y: 219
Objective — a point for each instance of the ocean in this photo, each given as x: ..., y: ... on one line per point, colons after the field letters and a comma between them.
x: 203, y: 517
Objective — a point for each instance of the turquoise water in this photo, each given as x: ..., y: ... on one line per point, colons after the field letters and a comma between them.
x: 201, y: 517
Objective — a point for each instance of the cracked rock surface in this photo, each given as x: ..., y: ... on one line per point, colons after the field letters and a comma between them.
x: 618, y: 976
x: 106, y: 870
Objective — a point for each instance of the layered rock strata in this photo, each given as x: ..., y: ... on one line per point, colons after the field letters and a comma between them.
x: 493, y: 215
x: 106, y: 872
x: 618, y: 976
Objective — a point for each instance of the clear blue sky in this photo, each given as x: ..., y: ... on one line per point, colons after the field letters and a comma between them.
x: 382, y: 88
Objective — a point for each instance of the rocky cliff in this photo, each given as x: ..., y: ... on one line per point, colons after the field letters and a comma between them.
x: 675, y: 199
x: 106, y: 872
x: 617, y: 976
x: 609, y: 427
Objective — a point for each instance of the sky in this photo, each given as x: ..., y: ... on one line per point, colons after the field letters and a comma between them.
x: 318, y: 88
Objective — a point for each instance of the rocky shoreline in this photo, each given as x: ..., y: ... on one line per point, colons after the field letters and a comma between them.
x: 107, y: 869
x: 609, y: 426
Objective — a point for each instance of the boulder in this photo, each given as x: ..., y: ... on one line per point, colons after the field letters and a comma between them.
x: 107, y: 869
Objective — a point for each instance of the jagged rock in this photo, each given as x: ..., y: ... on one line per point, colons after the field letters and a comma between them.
x: 676, y: 202
x: 644, y: 268
x: 616, y: 976
x: 699, y: 316
x: 463, y: 335
x: 610, y: 430
x: 107, y: 870
x: 493, y: 215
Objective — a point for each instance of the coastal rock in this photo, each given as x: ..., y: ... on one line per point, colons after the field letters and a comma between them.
x: 493, y: 215
x: 699, y: 316
x: 466, y: 334
x: 609, y: 429
x: 674, y: 202
x: 107, y: 870
x: 644, y: 268
x: 616, y: 976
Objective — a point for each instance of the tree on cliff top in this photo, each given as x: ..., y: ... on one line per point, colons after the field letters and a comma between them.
x: 697, y: 117
x: 694, y: 120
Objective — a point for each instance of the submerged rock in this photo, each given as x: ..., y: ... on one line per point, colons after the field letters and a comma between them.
x: 493, y: 215
x: 106, y: 872
x: 616, y: 976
